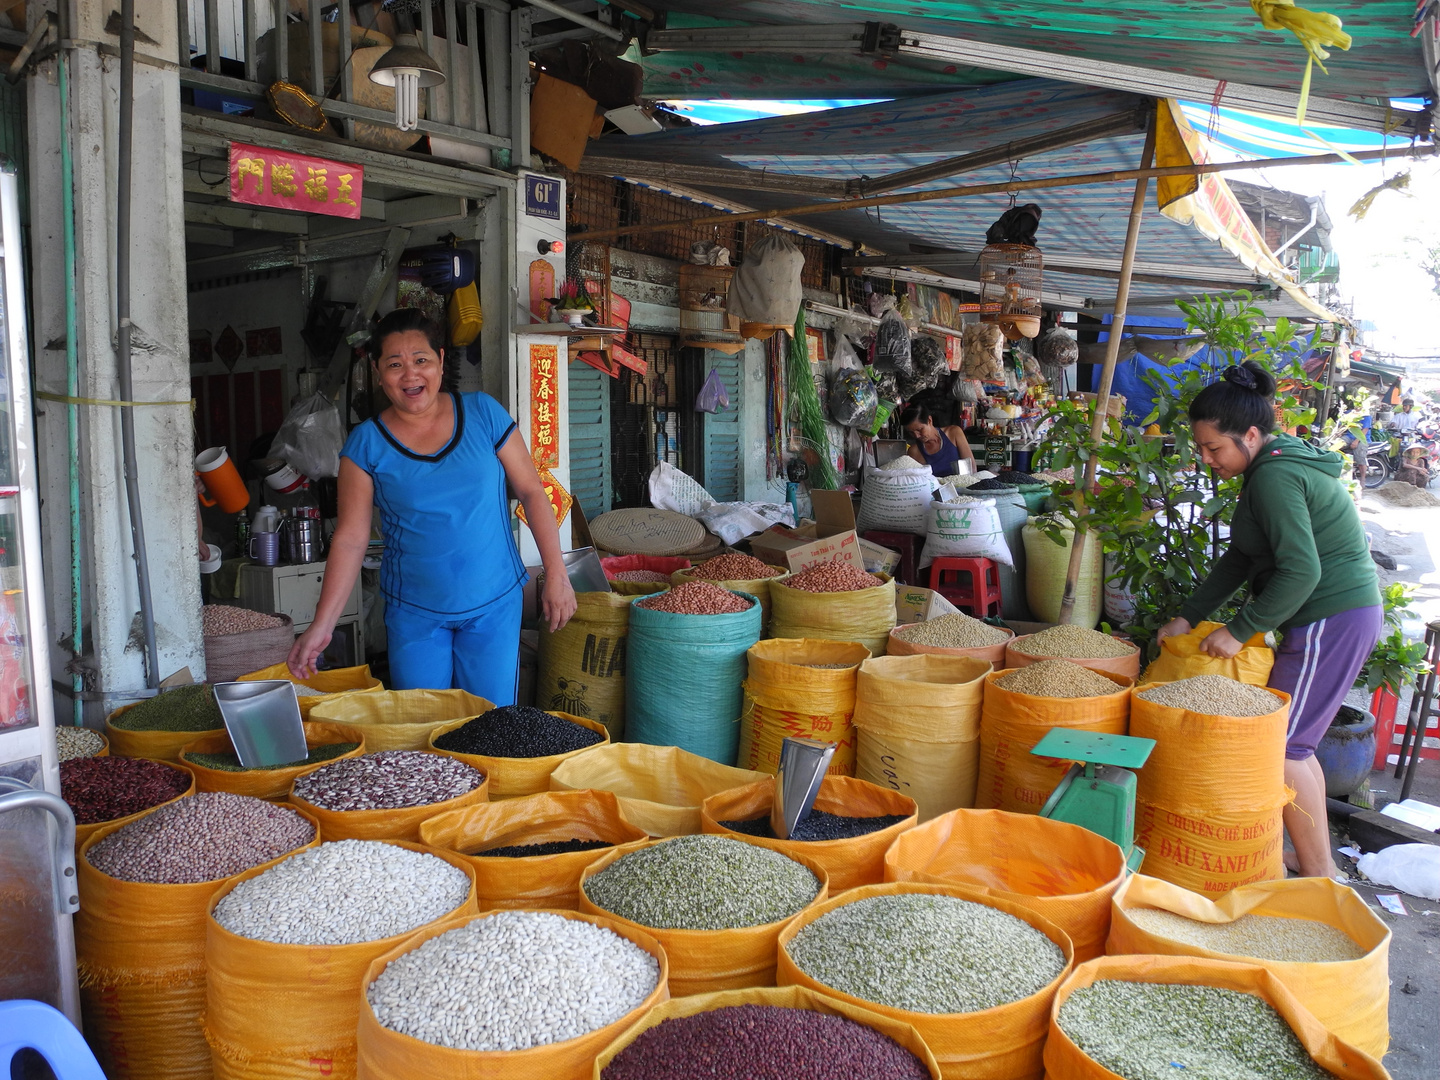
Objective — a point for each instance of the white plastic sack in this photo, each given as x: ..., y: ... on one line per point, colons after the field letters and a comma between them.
x: 1119, y: 600
x: 895, y: 500
x: 1411, y: 868
x: 766, y: 286
x: 733, y: 522
x: 679, y: 492
x: 967, y: 528
x: 311, y: 437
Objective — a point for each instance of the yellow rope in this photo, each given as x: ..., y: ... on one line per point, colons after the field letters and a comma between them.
x: 1316, y: 31
x: 66, y: 399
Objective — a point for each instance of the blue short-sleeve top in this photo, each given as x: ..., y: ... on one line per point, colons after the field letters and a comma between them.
x: 449, y: 547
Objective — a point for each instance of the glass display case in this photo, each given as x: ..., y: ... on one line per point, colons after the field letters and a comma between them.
x: 37, y: 832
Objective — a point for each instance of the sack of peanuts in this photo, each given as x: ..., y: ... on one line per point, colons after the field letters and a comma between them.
x: 835, y: 602
x: 582, y: 665
x: 738, y: 573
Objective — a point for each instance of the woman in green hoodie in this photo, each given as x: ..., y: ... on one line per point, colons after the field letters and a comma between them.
x: 1296, y: 540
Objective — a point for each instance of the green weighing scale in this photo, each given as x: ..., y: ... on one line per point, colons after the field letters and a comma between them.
x: 1098, y: 793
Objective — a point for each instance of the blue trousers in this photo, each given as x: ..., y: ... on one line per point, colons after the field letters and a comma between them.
x: 480, y: 654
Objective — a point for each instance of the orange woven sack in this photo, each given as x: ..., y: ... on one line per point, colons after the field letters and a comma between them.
x: 789, y: 693
x: 541, y: 881
x: 1127, y: 667
x: 1350, y: 997
x: 859, y: 860
x: 1208, y: 801
x: 399, y: 719
x: 265, y: 783
x: 84, y: 832
x: 1003, y: 1043
x: 1061, y: 871
x: 1065, y: 1061
x: 334, y: 683
x: 511, y: 778
x: 863, y: 615
x: 991, y: 654
x: 705, y: 961
x: 402, y: 823
x: 155, y: 745
x: 1180, y: 658
x: 140, y: 955
x: 1012, y: 778
x: 388, y: 1055
x: 780, y: 997
x: 288, y: 1012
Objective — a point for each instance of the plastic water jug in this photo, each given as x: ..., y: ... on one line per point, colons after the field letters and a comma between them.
x: 266, y: 519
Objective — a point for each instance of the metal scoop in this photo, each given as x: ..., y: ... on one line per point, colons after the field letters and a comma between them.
x: 263, y: 720
x: 797, y: 781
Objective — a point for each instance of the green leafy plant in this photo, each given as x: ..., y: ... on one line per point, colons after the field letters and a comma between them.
x: 1396, y: 661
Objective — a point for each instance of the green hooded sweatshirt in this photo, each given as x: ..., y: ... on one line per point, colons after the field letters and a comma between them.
x: 1296, y: 540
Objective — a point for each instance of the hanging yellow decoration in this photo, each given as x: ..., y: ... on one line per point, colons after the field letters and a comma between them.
x: 1400, y: 182
x: 1316, y: 30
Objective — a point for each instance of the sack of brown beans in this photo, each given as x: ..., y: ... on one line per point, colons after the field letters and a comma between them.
x: 160, y: 727
x: 582, y: 665
x: 239, y: 641
x: 323, y: 686
x: 399, y: 719
x: 852, y: 825
x: 114, y: 790
x: 386, y: 796
x: 1078, y: 644
x: 641, y: 575
x: 217, y: 767
x: 140, y: 933
x: 518, y: 746
x: 687, y: 661
x: 778, y: 1031
x: 799, y: 688
x: 738, y: 573
x: 835, y: 602
x: 530, y: 852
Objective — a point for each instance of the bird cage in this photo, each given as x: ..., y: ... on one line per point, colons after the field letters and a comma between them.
x: 1010, y: 278
x: 704, y: 323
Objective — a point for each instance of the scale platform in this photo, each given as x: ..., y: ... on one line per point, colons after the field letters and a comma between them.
x: 1096, y: 748
x: 1098, y: 793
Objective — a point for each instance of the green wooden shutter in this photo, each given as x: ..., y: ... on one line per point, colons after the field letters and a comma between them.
x: 589, y: 438
x: 724, y: 466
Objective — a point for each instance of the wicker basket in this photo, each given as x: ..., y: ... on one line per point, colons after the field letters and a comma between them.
x: 231, y: 655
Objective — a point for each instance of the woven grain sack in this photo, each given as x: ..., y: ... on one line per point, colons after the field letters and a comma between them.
x: 1046, y: 566
x: 265, y: 783
x: 84, y: 832
x: 582, y: 665
x: 331, y: 684
x: 1061, y: 871
x: 659, y: 564
x: 511, y: 778
x: 1003, y: 1043
x: 1350, y: 997
x: 859, y: 860
x: 1127, y: 666
x: 660, y: 788
x: 917, y: 720
x: 991, y: 654
x: 155, y: 745
x: 793, y: 692
x: 1208, y: 801
x: 1180, y: 658
x: 1012, y: 778
x: 706, y: 961
x: 383, y: 1054
x: 863, y: 615
x: 399, y: 823
x: 895, y: 500
x: 756, y: 587
x: 399, y: 719
x: 541, y: 881
x: 288, y: 1012
x: 228, y: 656
x: 777, y: 997
x: 140, y: 956
x: 683, y: 684
x: 1065, y: 1061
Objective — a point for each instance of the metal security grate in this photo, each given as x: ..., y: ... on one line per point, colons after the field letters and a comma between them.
x: 652, y: 418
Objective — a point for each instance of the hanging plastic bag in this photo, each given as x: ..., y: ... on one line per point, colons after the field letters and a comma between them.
x: 844, y: 355
x: 892, y: 345
x: 853, y: 399
x: 929, y: 359
x: 713, y: 397
x: 311, y: 437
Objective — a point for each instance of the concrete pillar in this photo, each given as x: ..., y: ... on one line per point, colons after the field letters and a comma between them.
x: 114, y: 659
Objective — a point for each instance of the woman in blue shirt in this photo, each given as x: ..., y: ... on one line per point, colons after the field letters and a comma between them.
x: 437, y: 465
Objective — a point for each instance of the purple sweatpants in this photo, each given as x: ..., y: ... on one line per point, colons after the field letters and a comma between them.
x: 1316, y: 665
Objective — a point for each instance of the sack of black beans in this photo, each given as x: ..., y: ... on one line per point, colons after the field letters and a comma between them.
x: 386, y: 796
x: 217, y: 767
x: 582, y: 665
x: 323, y: 686
x: 160, y: 727
x: 518, y: 746
x: 400, y: 719
x: 530, y: 852
x: 852, y: 825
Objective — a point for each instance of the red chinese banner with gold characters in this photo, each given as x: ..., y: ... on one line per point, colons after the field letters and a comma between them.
x: 545, y: 405
x: 262, y: 177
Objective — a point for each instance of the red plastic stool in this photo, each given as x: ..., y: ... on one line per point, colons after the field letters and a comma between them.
x: 979, y: 596
x: 907, y: 544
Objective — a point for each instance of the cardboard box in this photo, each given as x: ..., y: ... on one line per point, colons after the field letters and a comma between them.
x: 831, y: 537
x: 914, y: 604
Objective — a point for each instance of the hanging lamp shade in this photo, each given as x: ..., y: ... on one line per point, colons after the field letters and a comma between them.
x: 1010, y: 278
x: 408, y: 68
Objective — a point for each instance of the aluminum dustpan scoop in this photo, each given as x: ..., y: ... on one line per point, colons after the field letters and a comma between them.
x: 797, y: 781
x: 263, y: 721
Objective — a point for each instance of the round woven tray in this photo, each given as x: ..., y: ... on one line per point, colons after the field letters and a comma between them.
x: 646, y: 532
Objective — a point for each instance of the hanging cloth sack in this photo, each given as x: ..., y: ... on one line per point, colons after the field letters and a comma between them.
x: 766, y: 288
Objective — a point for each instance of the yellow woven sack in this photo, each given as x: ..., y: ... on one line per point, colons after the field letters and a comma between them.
x: 582, y: 666
x: 1350, y: 997
x: 1061, y: 871
x: 265, y: 783
x: 84, y: 832
x: 863, y: 615
x: 383, y: 1054
x: 541, y: 881
x: 660, y: 788
x: 1065, y: 1061
x: 789, y: 695
x: 331, y: 684
x: 140, y: 955
x: 706, y: 961
x: 401, y: 823
x: 511, y: 778
x: 1180, y: 658
x: 756, y: 587
x: 860, y: 860
x: 155, y: 745
x: 399, y: 719
x: 779, y: 997
x: 1003, y: 1043
x: 1012, y: 778
x: 918, y: 724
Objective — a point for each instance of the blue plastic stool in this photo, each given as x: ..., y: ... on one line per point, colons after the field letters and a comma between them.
x: 36, y: 1026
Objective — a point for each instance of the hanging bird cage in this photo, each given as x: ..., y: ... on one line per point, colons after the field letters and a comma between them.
x: 704, y: 323
x: 1010, y: 278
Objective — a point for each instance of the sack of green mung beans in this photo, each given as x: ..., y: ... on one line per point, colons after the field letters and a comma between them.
x: 686, y: 664
x: 160, y: 727
x: 582, y: 665
x: 1149, y: 1016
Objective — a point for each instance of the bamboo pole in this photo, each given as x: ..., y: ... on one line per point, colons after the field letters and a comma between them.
x: 1107, y: 373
